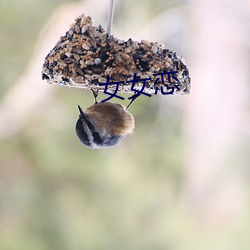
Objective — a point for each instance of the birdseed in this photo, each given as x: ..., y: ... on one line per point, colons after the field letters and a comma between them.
x: 86, y: 55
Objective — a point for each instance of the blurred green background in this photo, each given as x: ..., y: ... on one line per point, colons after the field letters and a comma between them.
x: 181, y: 181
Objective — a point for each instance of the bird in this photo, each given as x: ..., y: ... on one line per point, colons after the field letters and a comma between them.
x: 104, y: 124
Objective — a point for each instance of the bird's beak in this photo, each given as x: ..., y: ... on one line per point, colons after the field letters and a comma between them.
x: 82, y: 114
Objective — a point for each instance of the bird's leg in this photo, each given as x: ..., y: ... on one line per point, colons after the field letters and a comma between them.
x: 132, y: 101
x: 95, y: 94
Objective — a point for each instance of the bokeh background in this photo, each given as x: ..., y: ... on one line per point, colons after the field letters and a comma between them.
x: 180, y: 182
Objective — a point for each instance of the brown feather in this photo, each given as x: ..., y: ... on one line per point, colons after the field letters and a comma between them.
x: 112, y: 117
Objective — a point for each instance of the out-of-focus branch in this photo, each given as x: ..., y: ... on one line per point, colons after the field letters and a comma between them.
x: 216, y: 118
x: 29, y: 92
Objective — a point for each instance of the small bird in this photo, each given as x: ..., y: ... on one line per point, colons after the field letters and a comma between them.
x: 104, y: 124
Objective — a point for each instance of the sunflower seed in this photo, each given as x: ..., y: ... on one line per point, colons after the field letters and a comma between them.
x: 77, y: 29
x: 102, y: 80
x: 68, y: 54
x: 120, y: 42
x: 85, y: 46
x: 77, y: 79
x: 84, y: 29
x: 78, y: 70
x: 77, y: 57
x: 152, y: 69
x: 61, y: 62
x: 88, y: 62
x: 88, y: 76
x: 69, y: 60
x: 154, y: 49
x: 64, y: 43
x: 95, y: 76
x: 145, y: 42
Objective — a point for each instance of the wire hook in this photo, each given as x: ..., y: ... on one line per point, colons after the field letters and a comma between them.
x: 110, y: 16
